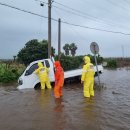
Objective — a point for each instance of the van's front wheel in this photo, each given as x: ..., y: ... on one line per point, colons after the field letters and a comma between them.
x: 37, y: 86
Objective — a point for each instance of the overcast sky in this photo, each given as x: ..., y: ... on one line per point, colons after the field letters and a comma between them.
x: 17, y: 28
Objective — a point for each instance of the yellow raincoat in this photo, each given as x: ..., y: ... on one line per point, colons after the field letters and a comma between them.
x: 88, y: 77
x: 42, y: 73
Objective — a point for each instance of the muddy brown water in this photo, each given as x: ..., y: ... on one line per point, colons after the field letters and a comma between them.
x: 38, y: 110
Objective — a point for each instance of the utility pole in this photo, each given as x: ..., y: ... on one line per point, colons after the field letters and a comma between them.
x: 49, y: 28
x: 122, y: 51
x: 59, y: 38
x: 123, y: 60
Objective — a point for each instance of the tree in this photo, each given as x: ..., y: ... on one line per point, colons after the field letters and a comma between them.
x: 100, y: 59
x: 14, y: 58
x: 33, y: 50
x: 66, y: 48
x: 73, y: 49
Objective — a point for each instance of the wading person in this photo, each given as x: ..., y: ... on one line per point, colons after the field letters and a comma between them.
x: 87, y: 77
x: 42, y: 73
x: 59, y: 79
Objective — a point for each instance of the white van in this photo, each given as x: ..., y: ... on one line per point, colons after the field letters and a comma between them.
x: 29, y: 80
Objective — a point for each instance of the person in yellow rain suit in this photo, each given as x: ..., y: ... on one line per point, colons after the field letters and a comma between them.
x: 87, y: 78
x: 42, y: 73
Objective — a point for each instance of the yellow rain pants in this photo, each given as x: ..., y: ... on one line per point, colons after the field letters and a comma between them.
x: 42, y: 73
x: 88, y: 78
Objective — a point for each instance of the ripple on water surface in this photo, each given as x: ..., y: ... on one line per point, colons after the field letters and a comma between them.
x: 35, y: 109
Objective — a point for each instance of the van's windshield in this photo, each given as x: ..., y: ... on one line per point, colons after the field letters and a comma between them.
x: 32, y: 69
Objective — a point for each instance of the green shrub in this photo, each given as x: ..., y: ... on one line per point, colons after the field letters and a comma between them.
x: 71, y: 63
x: 111, y: 63
x: 10, y: 72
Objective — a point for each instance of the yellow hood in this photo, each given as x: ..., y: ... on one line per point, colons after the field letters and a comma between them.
x: 86, y: 59
x: 40, y: 64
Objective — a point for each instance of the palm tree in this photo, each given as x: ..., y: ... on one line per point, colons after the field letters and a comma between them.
x: 66, y: 48
x: 73, y: 49
x: 14, y: 58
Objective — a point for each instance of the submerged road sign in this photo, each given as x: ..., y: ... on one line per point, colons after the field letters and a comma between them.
x: 94, y: 48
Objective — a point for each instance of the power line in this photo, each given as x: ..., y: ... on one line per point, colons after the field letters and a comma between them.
x: 95, y: 28
x: 72, y: 12
x: 92, y: 28
x: 29, y: 12
x: 70, y: 28
x: 78, y: 13
x: 75, y: 10
x: 84, y: 15
x: 126, y: 1
x: 118, y: 5
x: 96, y: 19
x: 68, y: 11
x: 65, y: 22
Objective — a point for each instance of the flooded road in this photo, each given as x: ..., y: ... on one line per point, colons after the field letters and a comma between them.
x: 38, y: 110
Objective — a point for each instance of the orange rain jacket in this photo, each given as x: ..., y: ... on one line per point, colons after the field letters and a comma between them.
x: 59, y: 79
x: 59, y: 74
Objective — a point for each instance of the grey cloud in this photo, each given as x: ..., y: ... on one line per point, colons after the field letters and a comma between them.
x: 16, y: 28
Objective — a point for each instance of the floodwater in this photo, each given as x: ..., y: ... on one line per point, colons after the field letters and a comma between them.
x: 38, y: 110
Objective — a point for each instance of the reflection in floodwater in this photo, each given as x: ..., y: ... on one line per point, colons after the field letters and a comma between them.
x: 60, y: 119
x: 59, y: 107
x: 38, y: 109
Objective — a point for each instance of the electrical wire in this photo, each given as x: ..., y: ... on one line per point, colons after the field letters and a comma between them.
x: 95, y: 19
x: 78, y: 13
x: 65, y: 22
x: 29, y: 12
x: 126, y: 1
x: 75, y: 10
x: 118, y: 5
x: 96, y: 28
x: 84, y: 15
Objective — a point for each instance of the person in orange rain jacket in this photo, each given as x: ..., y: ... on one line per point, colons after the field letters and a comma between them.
x: 59, y: 79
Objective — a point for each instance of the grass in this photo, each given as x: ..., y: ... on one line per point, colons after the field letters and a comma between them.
x: 9, y: 72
